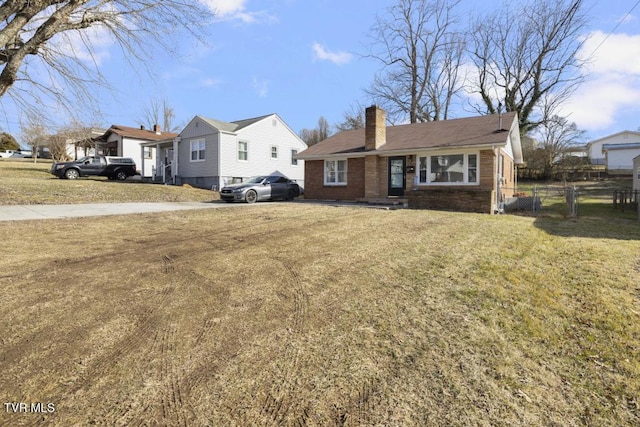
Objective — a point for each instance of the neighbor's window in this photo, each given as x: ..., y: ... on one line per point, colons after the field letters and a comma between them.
x: 448, y: 169
x: 639, y: 173
x: 335, y: 172
x: 197, y: 150
x: 243, y: 150
x: 274, y: 152
x: 147, y: 152
x: 294, y: 161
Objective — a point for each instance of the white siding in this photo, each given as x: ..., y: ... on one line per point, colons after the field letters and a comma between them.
x: 621, y: 160
x: 261, y: 137
x: 595, y: 147
x: 198, y: 129
x: 636, y: 173
x: 129, y: 147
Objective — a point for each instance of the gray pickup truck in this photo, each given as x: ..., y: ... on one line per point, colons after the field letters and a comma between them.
x: 119, y: 168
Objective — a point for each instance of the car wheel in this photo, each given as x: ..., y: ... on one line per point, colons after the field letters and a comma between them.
x: 291, y: 195
x: 251, y: 196
x: 72, y: 174
x: 121, y: 175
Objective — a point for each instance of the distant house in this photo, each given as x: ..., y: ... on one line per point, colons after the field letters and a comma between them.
x: 615, y: 145
x: 461, y: 164
x: 636, y: 173
x: 211, y: 153
x: 619, y: 157
x: 130, y: 142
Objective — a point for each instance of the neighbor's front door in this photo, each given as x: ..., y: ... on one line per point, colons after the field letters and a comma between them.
x: 397, y: 176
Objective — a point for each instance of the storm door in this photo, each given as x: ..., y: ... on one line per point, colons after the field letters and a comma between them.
x: 397, y: 176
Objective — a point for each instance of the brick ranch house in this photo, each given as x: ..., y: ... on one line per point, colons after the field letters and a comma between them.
x: 465, y: 164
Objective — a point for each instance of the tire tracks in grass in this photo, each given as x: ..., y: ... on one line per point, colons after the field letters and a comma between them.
x: 281, y: 404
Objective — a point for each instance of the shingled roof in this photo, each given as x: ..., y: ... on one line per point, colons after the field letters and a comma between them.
x: 464, y: 132
x: 137, y: 133
x: 232, y: 126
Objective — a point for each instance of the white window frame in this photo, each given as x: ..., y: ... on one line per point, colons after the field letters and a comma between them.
x: 200, y: 148
x: 274, y: 150
x: 465, y: 181
x: 336, y: 181
x: 246, y: 151
x: 147, y: 152
x: 294, y: 161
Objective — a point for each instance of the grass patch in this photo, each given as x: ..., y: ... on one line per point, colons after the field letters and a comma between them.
x: 304, y: 315
x: 23, y: 182
x: 595, y: 199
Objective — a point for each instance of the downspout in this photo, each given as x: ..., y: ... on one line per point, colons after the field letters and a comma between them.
x: 142, y: 166
x: 175, y: 160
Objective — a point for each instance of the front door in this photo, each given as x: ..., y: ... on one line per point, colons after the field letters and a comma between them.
x: 397, y: 176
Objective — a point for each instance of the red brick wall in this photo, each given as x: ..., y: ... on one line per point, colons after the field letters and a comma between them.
x: 453, y: 199
x: 314, y: 181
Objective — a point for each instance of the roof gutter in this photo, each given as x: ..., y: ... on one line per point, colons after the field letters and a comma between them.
x: 390, y: 153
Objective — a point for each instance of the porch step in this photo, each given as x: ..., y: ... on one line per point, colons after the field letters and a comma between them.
x: 391, y: 202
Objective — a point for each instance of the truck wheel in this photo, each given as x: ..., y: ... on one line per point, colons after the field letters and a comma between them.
x: 251, y: 196
x: 121, y: 175
x: 72, y: 174
x: 291, y: 195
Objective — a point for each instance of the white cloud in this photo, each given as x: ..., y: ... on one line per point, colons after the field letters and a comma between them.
x: 261, y: 87
x: 236, y: 10
x: 322, y: 54
x: 613, y: 81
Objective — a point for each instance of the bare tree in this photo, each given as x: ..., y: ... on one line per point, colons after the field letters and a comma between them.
x: 158, y: 112
x: 34, y: 132
x: 526, y: 54
x: 421, y: 53
x: 557, y: 137
x: 50, y: 34
x: 313, y: 136
x: 353, y: 119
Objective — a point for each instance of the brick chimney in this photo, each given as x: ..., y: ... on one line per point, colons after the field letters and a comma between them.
x: 375, y: 128
x: 156, y: 129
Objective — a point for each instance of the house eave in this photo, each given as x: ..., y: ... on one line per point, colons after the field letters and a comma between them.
x: 400, y: 152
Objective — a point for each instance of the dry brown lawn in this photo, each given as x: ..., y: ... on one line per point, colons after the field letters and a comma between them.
x: 23, y: 182
x: 294, y: 315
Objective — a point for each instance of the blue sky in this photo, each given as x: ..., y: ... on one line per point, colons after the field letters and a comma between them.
x: 303, y: 59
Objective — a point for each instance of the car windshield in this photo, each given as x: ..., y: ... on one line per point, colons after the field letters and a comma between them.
x: 255, y: 180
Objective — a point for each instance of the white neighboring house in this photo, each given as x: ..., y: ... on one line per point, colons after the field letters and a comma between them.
x: 131, y: 142
x: 211, y: 153
x: 597, y: 153
x: 619, y: 157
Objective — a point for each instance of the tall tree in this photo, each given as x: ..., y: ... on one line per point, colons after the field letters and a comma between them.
x: 320, y: 133
x: 33, y: 130
x: 49, y: 34
x: 352, y: 119
x: 421, y: 52
x: 8, y: 142
x: 526, y: 55
x: 557, y: 137
x: 158, y: 112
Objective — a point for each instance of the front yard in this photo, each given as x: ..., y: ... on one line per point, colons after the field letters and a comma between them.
x: 292, y: 314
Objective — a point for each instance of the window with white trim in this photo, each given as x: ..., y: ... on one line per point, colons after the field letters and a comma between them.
x: 448, y: 169
x: 197, y: 150
x: 335, y: 172
x: 147, y: 152
x: 294, y: 161
x: 243, y: 151
x: 274, y: 152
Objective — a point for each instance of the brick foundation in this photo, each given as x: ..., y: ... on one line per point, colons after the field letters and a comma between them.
x: 461, y: 200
